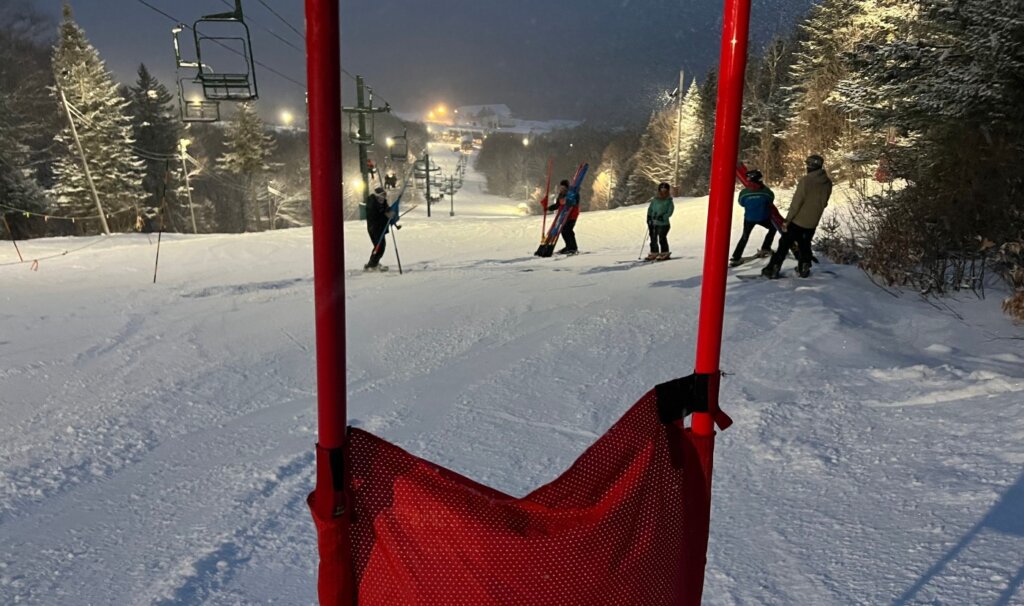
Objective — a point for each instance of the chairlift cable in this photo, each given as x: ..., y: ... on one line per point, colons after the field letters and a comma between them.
x: 287, y: 43
x: 283, y: 20
x: 225, y: 46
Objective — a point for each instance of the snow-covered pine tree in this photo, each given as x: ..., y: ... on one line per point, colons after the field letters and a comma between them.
x: 948, y: 89
x: 815, y: 123
x: 25, y: 131
x: 696, y: 179
x: 105, y: 132
x: 247, y: 149
x: 692, y: 130
x: 764, y: 108
x: 157, y: 131
x: 654, y: 159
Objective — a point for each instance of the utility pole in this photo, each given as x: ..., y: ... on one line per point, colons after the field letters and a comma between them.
x: 363, y: 138
x: 451, y: 193
x: 183, y: 146
x: 679, y: 129
x: 427, y: 171
x: 85, y: 164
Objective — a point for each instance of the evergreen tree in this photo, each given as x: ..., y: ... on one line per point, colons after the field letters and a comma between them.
x: 816, y: 123
x: 654, y: 159
x: 948, y: 91
x: 696, y: 179
x: 25, y: 132
x: 765, y: 109
x: 610, y: 183
x: 820, y: 120
x: 247, y: 150
x: 157, y: 132
x: 104, y: 130
x: 692, y: 129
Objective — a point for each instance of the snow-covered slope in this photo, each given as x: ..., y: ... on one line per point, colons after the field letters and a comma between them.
x: 156, y: 443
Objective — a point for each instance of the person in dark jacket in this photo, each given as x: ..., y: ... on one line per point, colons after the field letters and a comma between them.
x: 659, y: 210
x: 568, y: 230
x: 756, y: 201
x: 378, y: 215
x: 808, y: 204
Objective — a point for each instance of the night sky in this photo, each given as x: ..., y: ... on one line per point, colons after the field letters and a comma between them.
x: 576, y: 59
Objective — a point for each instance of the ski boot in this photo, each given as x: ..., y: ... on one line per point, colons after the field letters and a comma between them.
x: 770, y: 271
x: 803, y: 269
x: 651, y: 257
x: 663, y: 256
x: 735, y: 262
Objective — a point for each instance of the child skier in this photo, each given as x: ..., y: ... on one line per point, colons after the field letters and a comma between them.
x: 658, y: 213
x: 756, y: 201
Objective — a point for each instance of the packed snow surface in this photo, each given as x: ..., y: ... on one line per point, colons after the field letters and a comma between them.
x: 157, y: 439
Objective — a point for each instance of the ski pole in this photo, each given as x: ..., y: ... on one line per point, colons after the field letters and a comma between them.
x: 644, y: 244
x: 394, y: 241
x: 13, y: 241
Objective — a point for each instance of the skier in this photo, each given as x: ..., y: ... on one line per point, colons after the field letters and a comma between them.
x: 756, y: 199
x: 378, y: 215
x: 805, y: 210
x: 658, y: 212
x: 568, y: 235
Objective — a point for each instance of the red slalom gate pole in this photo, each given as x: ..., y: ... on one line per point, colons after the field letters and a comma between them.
x: 328, y: 501
x: 732, y: 66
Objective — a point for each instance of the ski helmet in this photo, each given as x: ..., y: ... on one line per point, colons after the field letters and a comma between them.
x: 815, y: 162
x: 755, y: 175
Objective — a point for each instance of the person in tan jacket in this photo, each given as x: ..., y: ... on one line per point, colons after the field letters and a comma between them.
x: 809, y: 202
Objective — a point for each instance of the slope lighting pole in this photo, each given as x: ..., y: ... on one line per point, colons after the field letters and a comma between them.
x: 183, y: 146
x: 85, y: 164
x: 679, y: 129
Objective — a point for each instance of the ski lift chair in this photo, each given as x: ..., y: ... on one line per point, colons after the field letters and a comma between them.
x: 196, y: 109
x: 227, y: 86
x: 357, y: 136
x: 192, y: 106
x: 399, y: 152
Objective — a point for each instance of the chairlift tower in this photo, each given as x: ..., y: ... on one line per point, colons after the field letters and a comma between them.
x: 360, y: 132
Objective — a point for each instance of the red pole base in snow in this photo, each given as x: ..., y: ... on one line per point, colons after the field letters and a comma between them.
x: 333, y: 519
x: 699, y: 456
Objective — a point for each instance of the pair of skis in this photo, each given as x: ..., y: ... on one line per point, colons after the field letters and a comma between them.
x: 549, y: 238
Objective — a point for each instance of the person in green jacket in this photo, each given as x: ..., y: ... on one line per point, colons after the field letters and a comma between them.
x: 658, y: 213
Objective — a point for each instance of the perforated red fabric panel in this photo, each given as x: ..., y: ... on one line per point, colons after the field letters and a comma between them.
x: 607, y: 531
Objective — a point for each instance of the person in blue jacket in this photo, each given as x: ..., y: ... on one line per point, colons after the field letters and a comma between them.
x: 756, y: 201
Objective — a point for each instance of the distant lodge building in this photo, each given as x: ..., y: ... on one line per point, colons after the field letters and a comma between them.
x: 479, y: 120
x: 489, y: 117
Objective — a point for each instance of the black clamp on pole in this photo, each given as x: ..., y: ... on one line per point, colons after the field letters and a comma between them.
x: 681, y: 397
